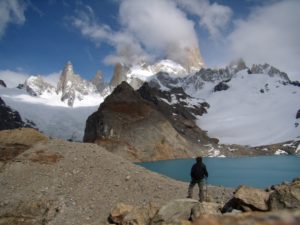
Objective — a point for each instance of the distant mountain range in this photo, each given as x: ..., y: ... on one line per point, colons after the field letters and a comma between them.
x: 253, y: 106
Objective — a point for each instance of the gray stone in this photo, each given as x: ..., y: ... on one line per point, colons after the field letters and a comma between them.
x: 174, y: 211
x: 285, y: 196
x: 205, y: 208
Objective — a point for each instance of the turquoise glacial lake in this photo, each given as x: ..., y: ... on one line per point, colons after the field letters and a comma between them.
x: 260, y: 172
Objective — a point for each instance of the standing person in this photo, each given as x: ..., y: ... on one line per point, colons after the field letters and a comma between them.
x: 198, y: 173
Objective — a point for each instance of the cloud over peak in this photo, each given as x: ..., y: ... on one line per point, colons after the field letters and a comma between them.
x: 152, y: 29
x: 270, y: 34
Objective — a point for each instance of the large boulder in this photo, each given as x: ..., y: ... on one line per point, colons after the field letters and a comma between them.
x: 132, y: 127
x: 205, y: 208
x: 128, y: 214
x: 174, y: 212
x: 248, y: 199
x: 285, y: 196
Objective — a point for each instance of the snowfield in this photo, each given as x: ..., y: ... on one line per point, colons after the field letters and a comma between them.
x: 256, y: 110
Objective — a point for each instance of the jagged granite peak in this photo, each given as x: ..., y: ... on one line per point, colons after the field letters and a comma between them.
x: 119, y: 75
x: 98, y: 81
x: 72, y: 87
x: 11, y: 119
x: 194, y: 61
x: 36, y: 85
x: 132, y: 127
x: 2, y: 83
x: 268, y: 69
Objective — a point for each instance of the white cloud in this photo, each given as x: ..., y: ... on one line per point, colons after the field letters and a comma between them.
x: 14, y: 78
x: 270, y: 34
x: 52, y: 78
x: 11, y: 11
x: 158, y: 24
x: 151, y: 29
x: 213, y: 17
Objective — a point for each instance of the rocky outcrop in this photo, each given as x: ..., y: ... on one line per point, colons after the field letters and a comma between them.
x: 222, y: 86
x: 298, y: 114
x: 2, y: 83
x: 132, y: 127
x: 11, y: 119
x: 35, y: 86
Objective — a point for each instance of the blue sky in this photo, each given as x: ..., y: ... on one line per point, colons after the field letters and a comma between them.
x: 40, y: 36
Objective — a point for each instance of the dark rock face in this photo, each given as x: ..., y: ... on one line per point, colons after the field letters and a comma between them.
x: 174, y: 106
x: 222, y: 86
x: 11, y: 119
x: 298, y: 114
x: 132, y: 127
x: 295, y: 83
x: 2, y: 83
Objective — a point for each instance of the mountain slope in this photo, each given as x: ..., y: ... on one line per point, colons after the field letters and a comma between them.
x: 132, y: 127
x: 256, y: 110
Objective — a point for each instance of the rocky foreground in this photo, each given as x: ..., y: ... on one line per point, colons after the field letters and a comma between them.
x: 44, y: 181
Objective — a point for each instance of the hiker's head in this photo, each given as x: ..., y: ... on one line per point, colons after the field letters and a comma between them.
x: 199, y: 159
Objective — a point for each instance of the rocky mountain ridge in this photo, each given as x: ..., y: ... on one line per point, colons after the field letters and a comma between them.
x: 71, y: 87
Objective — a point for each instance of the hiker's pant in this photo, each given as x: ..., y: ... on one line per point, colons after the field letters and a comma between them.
x: 200, y: 185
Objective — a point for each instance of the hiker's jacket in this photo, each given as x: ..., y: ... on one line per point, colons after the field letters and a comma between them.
x: 199, y: 171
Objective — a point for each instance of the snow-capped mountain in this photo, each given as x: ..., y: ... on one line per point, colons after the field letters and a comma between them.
x: 136, y: 75
x: 254, y: 106
x: 36, y: 86
x: 248, y: 106
x: 73, y: 88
